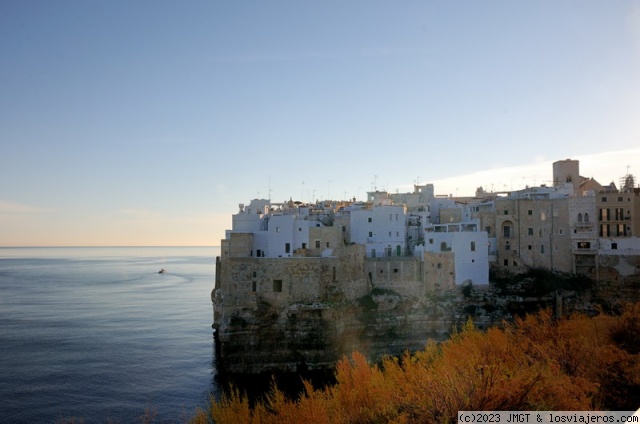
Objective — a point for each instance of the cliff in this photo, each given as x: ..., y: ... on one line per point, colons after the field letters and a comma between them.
x: 306, y: 313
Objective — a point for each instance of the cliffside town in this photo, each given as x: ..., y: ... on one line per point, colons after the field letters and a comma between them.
x: 300, y: 285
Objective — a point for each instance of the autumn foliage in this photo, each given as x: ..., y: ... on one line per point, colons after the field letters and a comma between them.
x: 536, y: 363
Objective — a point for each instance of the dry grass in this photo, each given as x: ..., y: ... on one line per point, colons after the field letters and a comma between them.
x: 537, y: 363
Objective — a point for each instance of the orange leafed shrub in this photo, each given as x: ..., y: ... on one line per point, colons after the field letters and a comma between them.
x: 538, y: 363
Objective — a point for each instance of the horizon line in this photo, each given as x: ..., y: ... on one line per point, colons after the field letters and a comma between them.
x: 96, y: 246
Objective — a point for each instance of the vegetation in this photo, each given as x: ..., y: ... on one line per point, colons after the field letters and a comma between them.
x: 536, y: 363
x: 467, y: 290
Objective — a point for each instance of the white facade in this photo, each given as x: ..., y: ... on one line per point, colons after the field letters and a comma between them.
x: 278, y: 229
x: 469, y: 246
x: 382, y: 229
x: 619, y: 246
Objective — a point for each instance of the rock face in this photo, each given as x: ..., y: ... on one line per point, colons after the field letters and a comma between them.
x: 306, y: 313
x: 291, y: 314
x: 315, y: 336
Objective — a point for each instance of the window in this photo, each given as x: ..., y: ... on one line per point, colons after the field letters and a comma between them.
x: 396, y: 217
x: 277, y: 229
x: 530, y: 231
x: 506, y: 262
x: 369, y: 219
x: 529, y: 247
x: 473, y: 246
x: 373, y: 253
x: 300, y: 228
x: 542, y: 248
x: 604, y: 199
x: 579, y: 217
x: 506, y: 212
x: 488, y: 230
x: 370, y: 233
x: 530, y: 212
x: 287, y: 248
x: 543, y: 215
x: 327, y: 244
x: 430, y: 241
x: 620, y: 199
x: 614, y: 246
x: 584, y: 245
x: 506, y: 231
x: 389, y: 233
x: 395, y: 270
x: 253, y: 286
x: 586, y: 217
x: 604, y: 230
x: 255, y: 274
x: 508, y: 246
x: 561, y: 231
x: 604, y: 214
x: 277, y: 286
x: 619, y: 214
x: 439, y: 265
x: 317, y: 244
x: 304, y: 245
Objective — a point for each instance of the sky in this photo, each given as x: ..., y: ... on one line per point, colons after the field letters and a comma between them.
x: 146, y: 123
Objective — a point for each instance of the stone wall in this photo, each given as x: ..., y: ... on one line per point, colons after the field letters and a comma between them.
x: 287, y: 314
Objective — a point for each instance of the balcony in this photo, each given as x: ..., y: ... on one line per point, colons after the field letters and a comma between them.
x: 584, y: 225
x: 587, y: 251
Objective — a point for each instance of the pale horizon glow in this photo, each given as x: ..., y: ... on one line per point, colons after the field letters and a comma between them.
x: 147, y: 123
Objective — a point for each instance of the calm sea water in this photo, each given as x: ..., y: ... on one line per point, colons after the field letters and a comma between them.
x: 99, y: 334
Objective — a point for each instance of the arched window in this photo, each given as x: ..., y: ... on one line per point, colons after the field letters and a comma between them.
x: 579, y: 217
x: 506, y: 229
x: 586, y: 217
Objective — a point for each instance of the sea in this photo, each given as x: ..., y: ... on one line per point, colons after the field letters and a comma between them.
x: 97, y: 334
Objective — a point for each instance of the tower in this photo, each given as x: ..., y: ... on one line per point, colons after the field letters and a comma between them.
x: 566, y: 171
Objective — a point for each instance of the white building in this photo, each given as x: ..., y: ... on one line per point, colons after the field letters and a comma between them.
x: 469, y: 246
x: 381, y: 228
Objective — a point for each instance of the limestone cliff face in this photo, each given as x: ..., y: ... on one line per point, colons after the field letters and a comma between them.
x: 316, y: 336
x: 306, y: 313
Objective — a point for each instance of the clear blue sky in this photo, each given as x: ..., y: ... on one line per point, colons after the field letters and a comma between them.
x: 147, y: 122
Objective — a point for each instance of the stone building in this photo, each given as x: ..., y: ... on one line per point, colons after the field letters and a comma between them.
x: 533, y: 231
x: 583, y: 225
